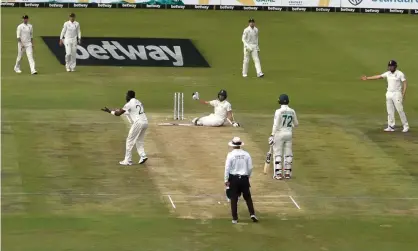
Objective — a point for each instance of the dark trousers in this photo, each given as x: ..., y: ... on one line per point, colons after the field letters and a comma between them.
x: 240, y: 185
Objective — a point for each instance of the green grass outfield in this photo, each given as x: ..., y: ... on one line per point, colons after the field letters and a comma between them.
x: 357, y: 187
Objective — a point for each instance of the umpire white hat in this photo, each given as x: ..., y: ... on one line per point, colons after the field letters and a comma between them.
x: 236, y: 141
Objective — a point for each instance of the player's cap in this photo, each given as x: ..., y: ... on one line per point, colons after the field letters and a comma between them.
x: 251, y: 20
x: 72, y: 15
x: 25, y: 17
x: 392, y: 63
x: 236, y: 141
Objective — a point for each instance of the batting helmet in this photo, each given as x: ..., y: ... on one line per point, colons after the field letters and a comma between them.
x: 222, y: 93
x: 392, y: 63
x: 284, y: 99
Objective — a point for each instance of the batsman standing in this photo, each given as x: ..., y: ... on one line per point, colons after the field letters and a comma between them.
x: 250, y: 41
x: 395, y: 95
x: 139, y: 124
x: 25, y: 43
x: 70, y: 36
x: 238, y: 169
x: 281, y: 138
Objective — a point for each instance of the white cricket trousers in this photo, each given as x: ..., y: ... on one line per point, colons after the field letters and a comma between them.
x: 282, y: 150
x: 136, y: 137
x: 21, y: 48
x: 211, y: 120
x: 254, y: 54
x: 70, y: 53
x: 394, y: 101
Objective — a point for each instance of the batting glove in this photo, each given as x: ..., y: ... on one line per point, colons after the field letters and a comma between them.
x: 195, y: 96
x: 271, y: 140
x: 235, y: 124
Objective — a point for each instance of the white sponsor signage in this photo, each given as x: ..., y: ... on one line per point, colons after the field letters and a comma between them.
x: 381, y: 4
x: 112, y: 50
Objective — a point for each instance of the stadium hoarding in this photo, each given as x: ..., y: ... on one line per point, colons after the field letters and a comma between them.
x: 381, y: 4
x: 347, y: 6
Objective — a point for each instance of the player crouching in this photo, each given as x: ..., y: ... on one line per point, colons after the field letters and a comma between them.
x: 222, y: 111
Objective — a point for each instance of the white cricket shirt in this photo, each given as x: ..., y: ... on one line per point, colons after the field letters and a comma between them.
x: 250, y: 36
x: 71, y: 30
x: 221, y: 108
x: 238, y: 162
x: 284, y: 119
x: 25, y: 33
x: 395, y: 80
x: 134, y: 110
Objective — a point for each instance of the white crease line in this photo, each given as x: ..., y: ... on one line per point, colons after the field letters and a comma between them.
x: 294, y: 202
x: 172, y: 202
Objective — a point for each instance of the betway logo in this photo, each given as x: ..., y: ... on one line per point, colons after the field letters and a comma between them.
x: 115, y: 51
x: 274, y: 8
x: 323, y: 9
x: 55, y: 5
x: 298, y: 9
x: 127, y: 5
x: 36, y: 5
x: 176, y: 6
x: 201, y: 7
x: 80, y: 5
x: 396, y: 11
x: 7, y: 4
x: 347, y: 10
x: 250, y: 8
x: 371, y: 11
x: 226, y: 7
x: 103, y: 5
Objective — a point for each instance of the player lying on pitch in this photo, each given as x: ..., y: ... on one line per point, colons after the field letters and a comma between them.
x: 223, y: 111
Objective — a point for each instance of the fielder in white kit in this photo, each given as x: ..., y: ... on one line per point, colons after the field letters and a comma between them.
x: 395, y: 95
x: 25, y: 43
x: 281, y: 138
x: 70, y: 37
x: 223, y: 111
x: 139, y: 124
x: 250, y: 41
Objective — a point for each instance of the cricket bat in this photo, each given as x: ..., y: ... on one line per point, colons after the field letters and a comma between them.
x: 268, y: 160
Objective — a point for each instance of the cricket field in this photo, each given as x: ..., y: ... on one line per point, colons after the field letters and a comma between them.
x: 355, y: 188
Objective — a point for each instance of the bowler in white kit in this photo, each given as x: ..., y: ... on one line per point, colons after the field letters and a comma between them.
x: 250, y: 41
x: 395, y: 95
x: 70, y: 37
x: 134, y: 110
x: 281, y: 138
x: 222, y: 111
x: 25, y: 43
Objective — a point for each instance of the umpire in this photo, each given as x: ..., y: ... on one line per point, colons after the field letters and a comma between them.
x: 238, y: 168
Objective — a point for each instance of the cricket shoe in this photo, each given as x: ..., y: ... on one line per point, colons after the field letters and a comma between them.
x: 194, y: 121
x: 254, y: 218
x: 34, y: 73
x: 244, y: 75
x: 278, y: 176
x: 389, y: 129
x: 18, y: 71
x: 72, y: 70
x: 405, y: 129
x: 143, y: 159
x: 68, y: 69
x: 260, y: 75
x: 125, y: 163
x: 234, y: 221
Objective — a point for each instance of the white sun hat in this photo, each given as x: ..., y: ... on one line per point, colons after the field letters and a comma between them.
x: 236, y: 141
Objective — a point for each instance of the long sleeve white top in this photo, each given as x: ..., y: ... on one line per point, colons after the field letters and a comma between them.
x: 25, y: 33
x: 250, y: 37
x: 238, y: 162
x: 71, y: 31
